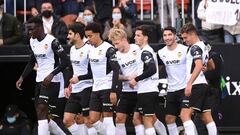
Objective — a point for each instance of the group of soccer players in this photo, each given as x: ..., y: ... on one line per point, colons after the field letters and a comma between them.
x: 92, y: 74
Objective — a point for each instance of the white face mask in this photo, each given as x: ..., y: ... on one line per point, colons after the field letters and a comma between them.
x: 88, y: 18
x: 117, y: 16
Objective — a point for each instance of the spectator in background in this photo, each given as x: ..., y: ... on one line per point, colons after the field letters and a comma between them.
x: 167, y: 12
x: 36, y: 6
x: 103, y: 9
x: 52, y: 24
x: 14, y: 122
x: 71, y: 7
x: 232, y: 33
x: 88, y: 16
x: 117, y: 21
x: 128, y: 9
x: 9, y: 27
x: 211, y: 32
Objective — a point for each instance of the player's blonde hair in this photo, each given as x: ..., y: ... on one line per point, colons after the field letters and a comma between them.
x: 117, y: 34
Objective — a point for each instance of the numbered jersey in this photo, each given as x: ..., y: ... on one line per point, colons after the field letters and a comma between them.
x: 175, y: 64
x: 80, y: 62
x: 102, y: 74
x: 128, y: 63
x: 45, y: 57
x: 197, y: 51
x: 149, y: 84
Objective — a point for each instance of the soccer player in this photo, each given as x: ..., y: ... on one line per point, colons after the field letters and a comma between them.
x: 105, y: 71
x: 81, y: 82
x: 127, y: 56
x: 51, y: 59
x: 197, y: 87
x: 146, y: 81
x: 173, y: 57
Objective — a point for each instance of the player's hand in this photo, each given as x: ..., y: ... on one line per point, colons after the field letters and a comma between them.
x: 19, y: 83
x: 74, y: 80
x: 188, y: 90
x: 113, y: 98
x: 132, y: 83
x: 204, y: 69
x: 67, y: 92
x: 47, y: 80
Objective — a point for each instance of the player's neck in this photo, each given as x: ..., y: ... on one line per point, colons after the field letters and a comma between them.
x: 99, y: 42
x: 41, y: 37
x: 79, y: 44
x: 172, y: 47
x: 126, y: 48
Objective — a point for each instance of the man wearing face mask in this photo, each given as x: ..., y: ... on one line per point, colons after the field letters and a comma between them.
x: 52, y: 24
x: 14, y: 122
x: 9, y: 27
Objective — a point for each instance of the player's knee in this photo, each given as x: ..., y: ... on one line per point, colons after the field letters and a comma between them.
x: 136, y: 121
x: 120, y: 119
x: 206, y: 117
x: 170, y: 119
x: 68, y: 121
x: 42, y: 111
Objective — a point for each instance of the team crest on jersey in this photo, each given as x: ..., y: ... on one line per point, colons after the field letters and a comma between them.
x: 179, y: 54
x: 134, y: 53
x: 81, y: 54
x: 46, y: 46
x: 100, y: 52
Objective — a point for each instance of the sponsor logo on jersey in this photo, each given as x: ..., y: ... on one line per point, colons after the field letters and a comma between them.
x: 128, y: 63
x: 172, y: 62
x: 94, y: 60
x: 75, y: 62
x: 40, y: 56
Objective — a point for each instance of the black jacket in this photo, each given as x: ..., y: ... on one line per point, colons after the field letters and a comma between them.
x: 11, y: 29
x: 59, y: 30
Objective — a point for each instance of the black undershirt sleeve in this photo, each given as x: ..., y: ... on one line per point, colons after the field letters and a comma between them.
x: 149, y: 66
x: 64, y: 60
x: 112, y: 59
x: 88, y: 75
x: 67, y: 75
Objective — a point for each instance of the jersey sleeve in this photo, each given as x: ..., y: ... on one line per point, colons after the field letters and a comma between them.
x: 196, y: 52
x: 59, y: 51
x: 149, y: 66
x: 112, y: 60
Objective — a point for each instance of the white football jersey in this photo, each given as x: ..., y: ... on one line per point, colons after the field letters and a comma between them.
x: 128, y: 63
x: 45, y: 58
x: 80, y: 62
x: 175, y: 64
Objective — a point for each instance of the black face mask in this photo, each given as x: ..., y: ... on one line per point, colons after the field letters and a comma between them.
x: 47, y: 13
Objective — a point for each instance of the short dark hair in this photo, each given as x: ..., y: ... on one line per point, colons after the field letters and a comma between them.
x: 48, y: 1
x: 188, y: 28
x: 36, y: 19
x: 170, y: 28
x: 94, y: 27
x: 146, y: 30
x: 90, y: 8
x: 1, y: 2
x: 77, y: 27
